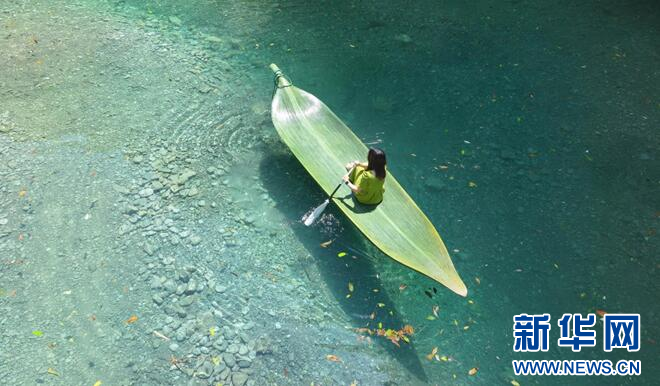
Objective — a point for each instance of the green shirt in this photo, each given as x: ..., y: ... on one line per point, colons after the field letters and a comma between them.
x: 370, y: 187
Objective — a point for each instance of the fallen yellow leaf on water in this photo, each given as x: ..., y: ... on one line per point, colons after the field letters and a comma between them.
x: 215, y: 360
x: 381, y: 305
x: 470, y: 301
x: 455, y: 322
x: 472, y: 184
x: 477, y: 280
x: 212, y: 331
x: 372, y: 316
x: 465, y: 328
x: 37, y: 333
x: 52, y: 371
x: 341, y: 254
x: 132, y: 319
x: 350, y: 286
x: 432, y: 354
x: 430, y: 317
x: 325, y: 244
x: 332, y: 358
x: 473, y: 371
x: 515, y: 383
x: 98, y: 383
x: 348, y: 296
x: 22, y: 193
x: 444, y: 358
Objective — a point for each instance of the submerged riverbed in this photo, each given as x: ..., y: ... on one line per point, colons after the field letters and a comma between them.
x: 150, y: 217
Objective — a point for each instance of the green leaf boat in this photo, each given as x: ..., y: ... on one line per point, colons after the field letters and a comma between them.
x: 324, y: 144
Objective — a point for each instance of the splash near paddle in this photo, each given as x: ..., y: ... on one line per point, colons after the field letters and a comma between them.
x: 324, y: 144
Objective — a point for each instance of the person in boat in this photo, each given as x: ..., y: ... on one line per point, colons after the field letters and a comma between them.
x: 366, y: 179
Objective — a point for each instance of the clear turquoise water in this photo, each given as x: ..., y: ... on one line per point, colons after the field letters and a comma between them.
x: 550, y: 109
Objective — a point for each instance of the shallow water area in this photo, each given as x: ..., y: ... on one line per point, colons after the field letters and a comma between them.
x: 150, y: 226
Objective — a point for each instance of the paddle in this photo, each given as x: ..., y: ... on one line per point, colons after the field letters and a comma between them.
x: 309, y: 220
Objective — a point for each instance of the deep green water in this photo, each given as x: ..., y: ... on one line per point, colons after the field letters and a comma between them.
x: 550, y: 110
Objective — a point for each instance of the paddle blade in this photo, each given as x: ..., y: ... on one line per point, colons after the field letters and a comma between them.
x: 309, y: 220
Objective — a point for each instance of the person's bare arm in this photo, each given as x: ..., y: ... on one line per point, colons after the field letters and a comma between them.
x: 350, y: 185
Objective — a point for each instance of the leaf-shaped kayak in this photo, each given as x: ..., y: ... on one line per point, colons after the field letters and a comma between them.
x: 324, y: 144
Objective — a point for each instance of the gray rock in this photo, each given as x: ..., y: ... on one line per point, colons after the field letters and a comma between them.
x: 157, y: 299
x: 244, y: 363
x: 205, y: 371
x: 192, y: 287
x: 220, y: 288
x: 229, y: 359
x: 233, y: 348
x: 186, y: 301
x: 243, y: 350
x: 195, y: 240
x: 146, y: 192
x: 169, y: 286
x: 174, y: 347
x: 180, y: 334
x: 175, y: 20
x: 239, y: 379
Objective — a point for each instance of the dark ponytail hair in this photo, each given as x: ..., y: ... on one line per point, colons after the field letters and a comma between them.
x: 377, y: 162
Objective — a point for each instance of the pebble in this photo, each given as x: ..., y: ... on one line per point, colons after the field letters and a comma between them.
x: 146, y: 192
x: 174, y: 347
x: 220, y: 288
x: 229, y: 359
x: 175, y: 20
x: 4, y: 221
x: 157, y: 299
x: 195, y: 240
x: 239, y: 379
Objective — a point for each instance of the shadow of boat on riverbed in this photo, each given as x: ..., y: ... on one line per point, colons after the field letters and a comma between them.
x: 293, y: 191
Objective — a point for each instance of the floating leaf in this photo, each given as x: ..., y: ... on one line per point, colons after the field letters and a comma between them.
x: 430, y: 317
x: 455, y: 322
x: 372, y: 316
x: 348, y: 296
x: 300, y: 117
x: 477, y: 280
x: 466, y: 327
x: 473, y: 371
x: 380, y: 325
x: 350, y: 286
x: 325, y: 244
x: 98, y: 383
x: 215, y: 360
x: 432, y: 354
x: 341, y: 254
x: 52, y: 371
x: 444, y: 358
x: 22, y: 193
x: 381, y: 305
x: 472, y: 184
x: 37, y: 333
x: 132, y: 319
x: 354, y: 383
x: 470, y: 301
x: 212, y: 331
x: 515, y: 383
x: 332, y: 358
x: 402, y: 287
